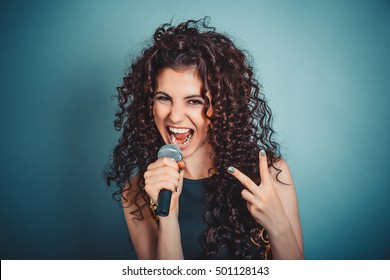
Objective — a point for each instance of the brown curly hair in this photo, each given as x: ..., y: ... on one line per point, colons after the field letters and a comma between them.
x: 239, y: 127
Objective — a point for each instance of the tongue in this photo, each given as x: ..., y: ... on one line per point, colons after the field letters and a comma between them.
x: 181, y: 136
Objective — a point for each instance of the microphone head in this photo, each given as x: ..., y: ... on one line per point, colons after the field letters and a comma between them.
x: 170, y: 151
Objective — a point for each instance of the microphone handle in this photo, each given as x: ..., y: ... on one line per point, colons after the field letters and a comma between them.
x: 164, y: 203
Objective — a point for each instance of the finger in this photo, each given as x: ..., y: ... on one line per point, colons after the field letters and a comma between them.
x: 263, y: 167
x: 248, y: 196
x: 157, y: 187
x: 163, y: 180
x: 245, y: 180
x: 163, y: 162
x: 153, y: 190
x: 181, y: 164
x: 164, y: 173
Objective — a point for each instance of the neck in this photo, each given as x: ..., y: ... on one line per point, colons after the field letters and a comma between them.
x: 196, y: 170
x: 198, y: 167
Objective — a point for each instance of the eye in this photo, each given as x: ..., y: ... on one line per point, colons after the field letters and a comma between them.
x: 162, y: 98
x: 195, y: 102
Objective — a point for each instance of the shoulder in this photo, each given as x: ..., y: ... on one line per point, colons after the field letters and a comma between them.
x: 141, y: 224
x: 280, y: 173
x: 284, y: 186
x: 130, y: 191
x: 283, y: 183
x: 135, y: 204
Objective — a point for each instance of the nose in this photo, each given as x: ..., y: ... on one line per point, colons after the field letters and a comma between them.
x: 177, y: 113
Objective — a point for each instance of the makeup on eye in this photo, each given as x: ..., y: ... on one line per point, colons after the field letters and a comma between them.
x: 191, y: 99
x: 195, y: 101
x: 162, y: 98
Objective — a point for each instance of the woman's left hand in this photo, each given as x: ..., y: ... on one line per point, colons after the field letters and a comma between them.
x: 263, y: 201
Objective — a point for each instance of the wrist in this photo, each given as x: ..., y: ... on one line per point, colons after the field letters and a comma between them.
x: 168, y: 223
x: 279, y: 229
x: 172, y: 218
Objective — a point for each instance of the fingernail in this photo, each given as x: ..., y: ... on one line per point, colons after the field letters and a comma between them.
x: 262, y: 152
x: 230, y: 169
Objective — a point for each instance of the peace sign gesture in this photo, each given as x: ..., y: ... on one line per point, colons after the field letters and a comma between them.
x: 263, y: 201
x: 275, y: 207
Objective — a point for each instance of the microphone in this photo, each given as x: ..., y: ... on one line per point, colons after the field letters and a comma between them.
x: 164, y: 198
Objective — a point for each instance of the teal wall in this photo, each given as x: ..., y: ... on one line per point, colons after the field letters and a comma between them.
x: 325, y: 67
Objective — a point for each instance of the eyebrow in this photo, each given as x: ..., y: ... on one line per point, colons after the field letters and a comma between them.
x: 187, y: 97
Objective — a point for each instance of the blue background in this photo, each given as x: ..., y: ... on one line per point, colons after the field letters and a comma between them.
x: 325, y: 67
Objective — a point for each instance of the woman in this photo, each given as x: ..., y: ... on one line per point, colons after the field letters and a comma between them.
x: 233, y: 196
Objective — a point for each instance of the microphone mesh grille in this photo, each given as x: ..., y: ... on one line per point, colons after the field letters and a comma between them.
x: 170, y: 151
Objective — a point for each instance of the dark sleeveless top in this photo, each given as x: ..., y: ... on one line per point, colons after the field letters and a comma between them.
x: 191, y: 218
x: 192, y: 223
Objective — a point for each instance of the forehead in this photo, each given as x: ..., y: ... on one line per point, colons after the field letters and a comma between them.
x: 170, y: 80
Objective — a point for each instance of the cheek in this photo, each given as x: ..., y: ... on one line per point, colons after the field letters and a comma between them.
x: 201, y: 122
x: 158, y: 113
x: 154, y: 112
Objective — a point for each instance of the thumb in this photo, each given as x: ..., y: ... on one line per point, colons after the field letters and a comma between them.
x: 182, y: 165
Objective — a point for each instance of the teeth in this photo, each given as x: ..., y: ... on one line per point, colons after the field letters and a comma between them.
x: 178, y: 130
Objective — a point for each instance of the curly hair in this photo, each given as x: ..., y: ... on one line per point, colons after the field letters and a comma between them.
x: 241, y: 125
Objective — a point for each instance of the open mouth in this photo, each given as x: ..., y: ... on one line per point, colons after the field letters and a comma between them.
x: 180, y: 136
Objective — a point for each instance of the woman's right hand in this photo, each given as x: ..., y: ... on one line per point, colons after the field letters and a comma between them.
x: 163, y: 174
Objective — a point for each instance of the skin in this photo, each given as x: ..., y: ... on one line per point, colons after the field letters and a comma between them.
x: 275, y: 206
x: 178, y: 104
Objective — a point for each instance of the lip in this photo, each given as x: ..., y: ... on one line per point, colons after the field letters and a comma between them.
x: 178, y: 127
